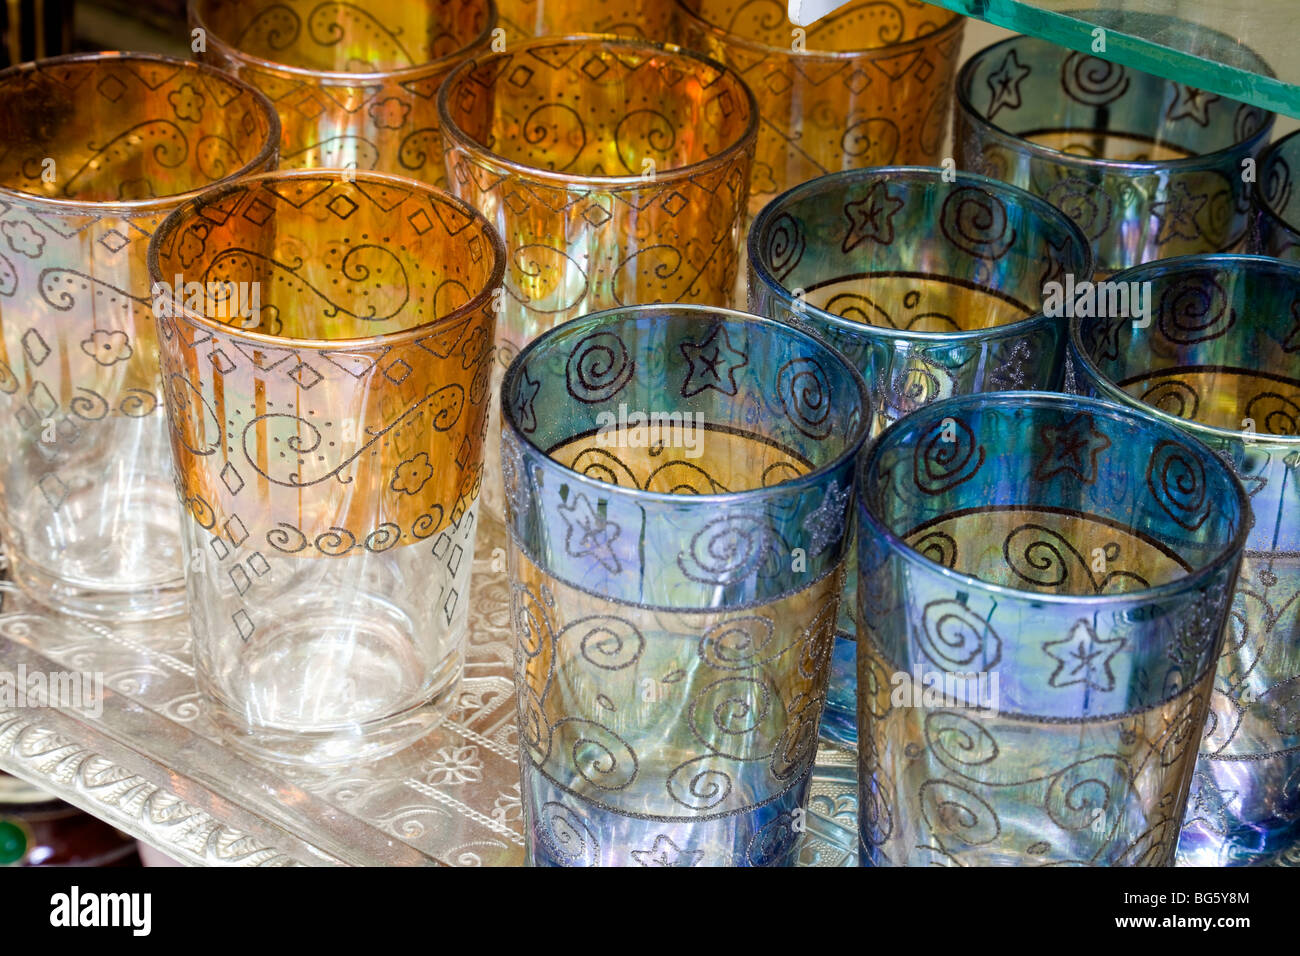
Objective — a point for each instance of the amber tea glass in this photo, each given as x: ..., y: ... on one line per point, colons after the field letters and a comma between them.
x: 616, y: 170
x: 647, y: 19
x: 328, y: 444
x: 99, y: 148
x: 869, y: 84
x: 355, y: 85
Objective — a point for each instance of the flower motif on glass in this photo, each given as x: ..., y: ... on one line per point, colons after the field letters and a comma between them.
x: 590, y: 533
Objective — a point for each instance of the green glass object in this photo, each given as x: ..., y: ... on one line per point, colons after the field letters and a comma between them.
x: 1256, y: 64
x: 13, y: 843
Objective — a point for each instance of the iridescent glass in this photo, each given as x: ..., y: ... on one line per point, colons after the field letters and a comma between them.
x: 931, y: 288
x: 327, y: 388
x: 1219, y: 360
x: 1044, y: 581
x: 98, y: 149
x: 867, y: 85
x: 616, y: 170
x: 678, y: 483
x: 1148, y: 167
x: 355, y: 85
x: 1277, y: 204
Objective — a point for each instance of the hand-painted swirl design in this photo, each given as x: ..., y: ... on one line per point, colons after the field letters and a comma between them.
x: 1195, y: 310
x: 946, y: 456
x: 1176, y: 480
x: 805, y: 395
x: 330, y: 24
x: 785, y: 244
x: 729, y: 549
x: 303, y: 438
x: 1088, y: 204
x: 599, y: 367
x: 955, y: 638
x: 977, y: 223
x: 1093, y: 81
x: 567, y: 838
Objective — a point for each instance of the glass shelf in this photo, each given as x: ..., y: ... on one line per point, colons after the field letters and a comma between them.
x: 150, y: 764
x: 1242, y: 49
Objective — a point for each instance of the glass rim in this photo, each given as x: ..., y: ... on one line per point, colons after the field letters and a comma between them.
x: 1261, y: 202
x: 1062, y: 158
x: 269, y: 150
x: 343, y: 77
x: 451, y: 130
x: 748, y: 496
x: 1180, y: 264
x: 175, y: 218
x: 911, y: 174
x: 1227, y: 554
x: 956, y: 23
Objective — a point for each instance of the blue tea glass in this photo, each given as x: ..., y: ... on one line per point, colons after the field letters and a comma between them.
x: 1147, y: 167
x: 678, y: 484
x: 1044, y: 581
x: 1276, y: 229
x: 931, y: 288
x: 1221, y: 360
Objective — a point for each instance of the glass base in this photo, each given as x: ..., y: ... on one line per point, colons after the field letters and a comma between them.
x: 339, y: 719
x: 107, y: 550
x: 140, y: 600
x: 840, y: 716
x: 566, y: 829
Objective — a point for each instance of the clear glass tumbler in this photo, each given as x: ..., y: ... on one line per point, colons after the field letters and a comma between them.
x: 327, y: 388
x: 679, y: 481
x: 1221, y: 361
x: 1044, y: 583
x: 99, y: 148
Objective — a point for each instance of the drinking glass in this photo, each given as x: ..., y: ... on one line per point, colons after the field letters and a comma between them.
x: 99, y: 148
x: 1148, y: 167
x: 647, y: 19
x: 930, y: 288
x: 1277, y: 209
x: 1219, y: 362
x: 1044, y: 581
x: 327, y: 436
x: 867, y: 85
x: 617, y: 170
x: 678, y: 481
x: 355, y: 85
